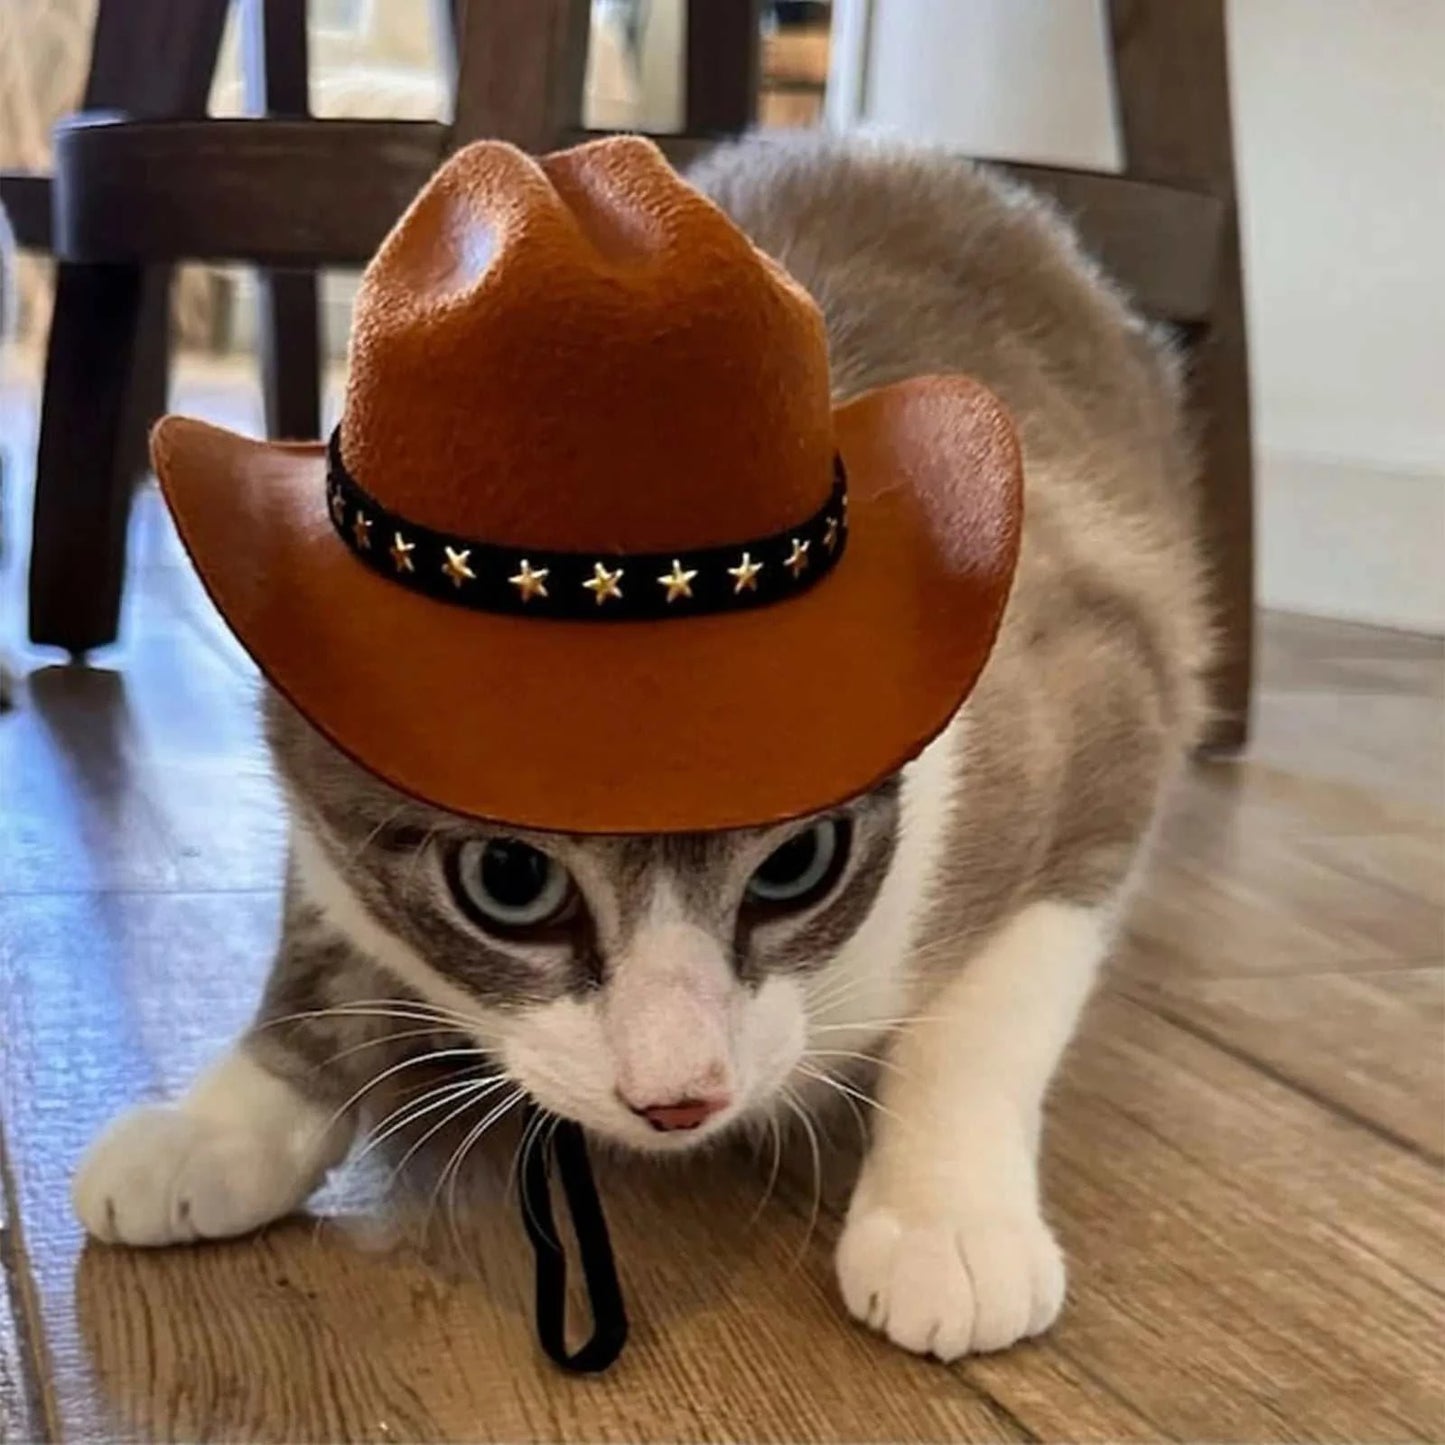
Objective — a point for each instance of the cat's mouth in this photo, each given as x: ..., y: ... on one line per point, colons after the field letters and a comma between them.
x: 668, y: 1130
x: 624, y: 1127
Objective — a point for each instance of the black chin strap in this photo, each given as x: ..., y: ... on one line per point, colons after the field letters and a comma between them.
x: 565, y: 1142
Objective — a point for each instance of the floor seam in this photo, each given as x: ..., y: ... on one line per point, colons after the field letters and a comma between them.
x: 1333, y: 1106
x: 18, y: 1287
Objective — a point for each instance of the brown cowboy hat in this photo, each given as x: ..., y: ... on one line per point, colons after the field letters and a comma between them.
x: 592, y: 550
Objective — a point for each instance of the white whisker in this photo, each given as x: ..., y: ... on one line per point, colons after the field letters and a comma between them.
x: 403, y: 1010
x: 848, y: 1091
x: 859, y: 1055
x: 776, y: 1133
x: 417, y: 853
x: 396, y: 1068
x: 380, y: 1039
x: 464, y: 1148
x: 863, y: 1025
x: 800, y: 1109
x: 543, y: 1120
x: 467, y: 1100
x: 519, y: 1154
x: 428, y: 1103
x: 376, y: 832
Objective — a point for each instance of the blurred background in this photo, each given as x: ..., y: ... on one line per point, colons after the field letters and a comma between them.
x: 1339, y: 114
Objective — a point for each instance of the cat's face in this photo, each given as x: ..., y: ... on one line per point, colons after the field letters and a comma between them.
x: 658, y: 990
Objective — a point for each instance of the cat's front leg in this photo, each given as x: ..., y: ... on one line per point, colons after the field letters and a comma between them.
x: 257, y: 1131
x: 945, y: 1249
x: 243, y: 1147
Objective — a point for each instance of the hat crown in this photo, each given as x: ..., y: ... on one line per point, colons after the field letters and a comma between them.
x: 584, y: 353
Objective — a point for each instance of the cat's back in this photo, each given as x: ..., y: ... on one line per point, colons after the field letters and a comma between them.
x: 923, y: 262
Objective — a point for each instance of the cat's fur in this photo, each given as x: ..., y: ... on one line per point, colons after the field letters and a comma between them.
x: 963, y: 939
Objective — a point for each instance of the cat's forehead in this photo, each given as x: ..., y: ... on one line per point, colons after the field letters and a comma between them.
x: 685, y: 866
x: 688, y: 866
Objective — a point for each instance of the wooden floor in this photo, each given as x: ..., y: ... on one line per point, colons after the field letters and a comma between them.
x: 1244, y: 1153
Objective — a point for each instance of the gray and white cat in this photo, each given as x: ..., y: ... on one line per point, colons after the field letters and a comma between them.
x: 663, y: 991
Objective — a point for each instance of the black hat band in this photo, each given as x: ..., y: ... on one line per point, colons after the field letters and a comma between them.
x: 587, y: 586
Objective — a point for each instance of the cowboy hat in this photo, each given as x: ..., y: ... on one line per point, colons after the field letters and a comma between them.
x: 592, y: 550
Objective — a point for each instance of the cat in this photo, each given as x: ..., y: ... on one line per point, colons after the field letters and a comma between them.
x: 666, y: 991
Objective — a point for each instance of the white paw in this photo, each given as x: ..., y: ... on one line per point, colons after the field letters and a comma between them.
x: 161, y: 1175
x: 950, y: 1286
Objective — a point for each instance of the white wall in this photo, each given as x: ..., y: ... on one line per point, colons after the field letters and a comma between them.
x: 1340, y: 141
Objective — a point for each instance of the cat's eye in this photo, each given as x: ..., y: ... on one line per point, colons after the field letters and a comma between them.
x: 803, y: 869
x: 507, y: 885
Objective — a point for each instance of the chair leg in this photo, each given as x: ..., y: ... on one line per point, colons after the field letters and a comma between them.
x: 289, y: 333
x: 86, y: 464
x: 1221, y: 394
x: 150, y: 373
x: 1172, y: 76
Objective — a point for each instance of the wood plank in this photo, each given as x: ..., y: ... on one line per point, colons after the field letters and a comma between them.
x: 105, y: 784
x: 271, y: 192
x: 1368, y: 1044
x: 1407, y: 864
x: 1245, y: 1263
x: 1286, y: 1261
x: 1274, y: 908
x: 1359, y: 709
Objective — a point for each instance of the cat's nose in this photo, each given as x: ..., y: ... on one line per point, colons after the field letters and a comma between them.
x: 685, y: 1114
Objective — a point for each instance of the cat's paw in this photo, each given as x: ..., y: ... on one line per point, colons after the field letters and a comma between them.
x: 162, y: 1175
x: 950, y: 1284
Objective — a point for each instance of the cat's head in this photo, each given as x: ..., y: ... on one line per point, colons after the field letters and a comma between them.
x: 659, y: 990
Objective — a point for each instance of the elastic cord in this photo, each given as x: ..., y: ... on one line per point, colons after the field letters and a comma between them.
x: 564, y: 1141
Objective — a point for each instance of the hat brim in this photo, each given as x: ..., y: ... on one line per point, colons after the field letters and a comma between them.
x: 629, y: 727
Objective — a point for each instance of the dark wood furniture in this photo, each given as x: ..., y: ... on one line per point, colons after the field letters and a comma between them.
x: 1168, y: 229
x: 143, y: 180
x: 1171, y: 70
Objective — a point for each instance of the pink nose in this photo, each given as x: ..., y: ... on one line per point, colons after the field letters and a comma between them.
x: 686, y: 1114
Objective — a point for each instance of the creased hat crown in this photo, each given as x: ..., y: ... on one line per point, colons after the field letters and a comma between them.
x: 583, y: 352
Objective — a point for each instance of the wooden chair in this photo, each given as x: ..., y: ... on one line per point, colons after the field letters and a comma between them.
x: 142, y: 180
x: 1168, y: 230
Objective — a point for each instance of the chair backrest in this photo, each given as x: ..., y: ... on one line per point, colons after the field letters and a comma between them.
x: 539, y: 105
x: 536, y: 103
x: 154, y: 58
x: 275, y: 63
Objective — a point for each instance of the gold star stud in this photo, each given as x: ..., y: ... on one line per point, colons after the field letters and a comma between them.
x: 361, y: 530
x: 830, y: 533
x: 401, y: 551
x: 797, y: 560
x: 678, y: 582
x: 745, y: 574
x: 530, y: 583
x: 338, y: 506
x: 603, y: 584
x: 456, y: 565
